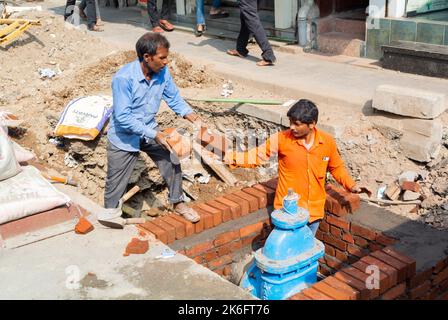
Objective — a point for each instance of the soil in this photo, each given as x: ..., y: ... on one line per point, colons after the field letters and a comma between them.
x: 86, y: 67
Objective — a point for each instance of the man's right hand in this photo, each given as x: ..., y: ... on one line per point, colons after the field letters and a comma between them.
x: 161, y: 138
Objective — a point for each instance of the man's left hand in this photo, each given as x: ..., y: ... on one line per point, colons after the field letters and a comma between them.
x: 194, y: 119
x: 361, y: 189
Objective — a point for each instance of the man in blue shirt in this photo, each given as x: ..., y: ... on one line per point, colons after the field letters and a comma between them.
x: 138, y: 89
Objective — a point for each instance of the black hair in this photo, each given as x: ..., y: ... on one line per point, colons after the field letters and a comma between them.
x: 304, y: 111
x: 149, y: 43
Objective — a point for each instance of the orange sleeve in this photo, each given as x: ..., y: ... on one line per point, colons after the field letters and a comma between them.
x: 337, y: 168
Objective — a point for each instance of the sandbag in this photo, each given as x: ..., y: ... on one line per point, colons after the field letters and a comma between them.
x: 9, y: 166
x: 83, y: 118
x: 22, y: 155
x: 28, y: 193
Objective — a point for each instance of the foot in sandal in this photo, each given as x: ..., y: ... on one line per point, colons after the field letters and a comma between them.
x: 235, y: 53
x: 264, y: 63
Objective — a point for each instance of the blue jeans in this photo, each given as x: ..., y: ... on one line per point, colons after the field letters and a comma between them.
x: 200, y: 18
x: 314, y: 226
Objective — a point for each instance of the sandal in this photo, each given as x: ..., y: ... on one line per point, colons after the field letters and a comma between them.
x: 264, y: 63
x: 95, y: 28
x: 220, y: 14
x: 166, y: 25
x: 235, y: 53
x: 187, y: 212
x: 198, y: 32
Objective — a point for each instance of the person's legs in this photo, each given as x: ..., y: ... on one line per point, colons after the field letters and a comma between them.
x: 250, y: 15
x: 200, y: 19
x: 314, y: 226
x: 151, y: 6
x: 243, y: 37
x: 120, y: 165
x: 97, y: 7
x: 166, y: 8
x: 69, y: 8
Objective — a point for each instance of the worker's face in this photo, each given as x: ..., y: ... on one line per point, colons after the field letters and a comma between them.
x: 300, y: 130
x: 158, y: 61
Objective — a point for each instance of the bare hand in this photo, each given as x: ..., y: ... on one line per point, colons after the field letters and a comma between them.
x: 194, y: 119
x: 358, y: 190
x: 161, y: 138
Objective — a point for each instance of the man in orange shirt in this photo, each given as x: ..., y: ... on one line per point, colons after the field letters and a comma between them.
x: 305, y: 153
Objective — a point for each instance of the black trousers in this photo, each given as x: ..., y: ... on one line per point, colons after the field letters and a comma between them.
x: 251, y: 24
x: 90, y: 7
x: 154, y: 15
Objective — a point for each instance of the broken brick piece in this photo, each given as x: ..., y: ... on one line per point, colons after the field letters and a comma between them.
x: 410, y: 186
x: 136, y: 246
x: 83, y: 226
x: 180, y: 144
x: 214, y: 142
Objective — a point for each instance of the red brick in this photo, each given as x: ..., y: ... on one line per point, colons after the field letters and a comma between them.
x: 440, y: 265
x: 350, y: 292
x: 225, y: 210
x: 330, y: 203
x: 395, y: 292
x: 253, y: 201
x: 213, y: 141
x: 319, y: 235
x: 159, y: 233
x: 375, y: 246
x: 336, y: 232
x: 391, y: 272
x: 227, y: 271
x: 251, y: 229
x: 260, y: 195
x: 189, y: 227
x: 341, y: 256
x: 338, y: 222
x: 314, y: 294
x: 346, y: 202
x: 324, y: 227
x: 299, y: 296
x: 420, y: 277
x: 330, y: 251
x: 338, y: 243
x: 210, y: 255
x: 248, y: 240
x: 270, y: 193
x: 228, y: 248
x: 206, y: 217
x: 271, y: 183
x: 83, y: 226
x: 219, y: 271
x: 444, y: 296
x: 384, y: 281
x: 363, y: 243
x: 357, y: 251
x: 384, y: 240
x: 410, y: 185
x: 226, y: 237
x: 198, y: 249
x: 400, y: 266
x: 358, y: 230
x: 179, y: 143
x: 171, y: 231
x: 325, y: 270
x: 179, y: 227
x: 216, y: 213
x: 234, y: 207
x: 220, y: 262
x: 347, y: 237
x: 336, y: 294
x: 440, y: 276
x: 419, y: 291
x: 244, y: 204
x: 355, y: 283
x: 397, y: 255
x: 199, y: 259
x: 333, y: 262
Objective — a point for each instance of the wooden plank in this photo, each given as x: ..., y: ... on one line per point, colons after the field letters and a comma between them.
x: 15, y: 34
x: 9, y: 21
x: 218, y: 167
x: 8, y: 29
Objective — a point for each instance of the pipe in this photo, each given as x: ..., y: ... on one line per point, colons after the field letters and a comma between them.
x: 308, y: 10
x: 237, y: 101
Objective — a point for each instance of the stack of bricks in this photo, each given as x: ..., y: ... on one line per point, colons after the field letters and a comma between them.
x: 431, y: 283
x: 345, y: 242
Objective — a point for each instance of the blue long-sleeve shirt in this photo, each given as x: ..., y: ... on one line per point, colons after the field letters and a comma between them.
x: 136, y: 101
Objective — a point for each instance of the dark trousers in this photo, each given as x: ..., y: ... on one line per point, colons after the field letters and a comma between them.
x: 251, y: 24
x: 88, y: 5
x: 69, y: 7
x: 154, y: 15
x: 120, y: 165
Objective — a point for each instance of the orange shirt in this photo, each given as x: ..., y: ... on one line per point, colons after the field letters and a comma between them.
x: 302, y: 170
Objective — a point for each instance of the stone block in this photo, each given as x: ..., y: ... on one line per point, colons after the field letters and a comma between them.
x: 410, y: 102
x: 418, y: 147
x: 272, y: 114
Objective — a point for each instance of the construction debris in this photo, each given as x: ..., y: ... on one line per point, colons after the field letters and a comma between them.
x: 83, y: 226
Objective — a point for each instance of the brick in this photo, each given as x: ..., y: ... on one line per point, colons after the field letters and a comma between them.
x: 246, y: 241
x: 319, y: 235
x: 391, y: 272
x: 338, y: 243
x: 419, y: 278
x: 179, y: 227
x: 270, y: 193
x: 159, y: 233
x: 357, y: 230
x: 410, y: 186
x: 443, y: 275
x: 225, y: 210
x: 350, y: 292
x: 347, y: 237
x: 189, y: 227
x: 226, y: 237
x: 420, y: 290
x: 299, y: 296
x: 440, y: 265
x: 397, y: 255
x: 271, y: 183
x: 351, y: 258
x: 216, y: 213
x: 227, y: 271
x: 357, y: 251
x: 206, y: 218
x: 199, y: 249
x: 400, y: 266
x: 356, y: 284
x: 330, y: 291
x: 340, y: 223
x: 324, y: 227
x: 180, y: 144
x: 359, y: 241
x: 228, y: 248
x: 330, y: 251
x: 395, y: 292
x: 341, y: 256
x: 385, y: 240
x: 346, y: 202
x: 219, y: 271
x: 210, y: 255
x: 375, y: 246
x: 214, y: 141
x: 235, y: 207
x: 253, y: 201
x: 325, y: 270
x: 336, y: 232
x: 251, y: 229
x: 83, y: 226
x: 314, y: 294
x: 333, y: 262
x: 171, y: 231
x: 220, y: 262
x: 384, y: 280
x: 261, y: 196
x: 199, y: 259
x: 244, y: 204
